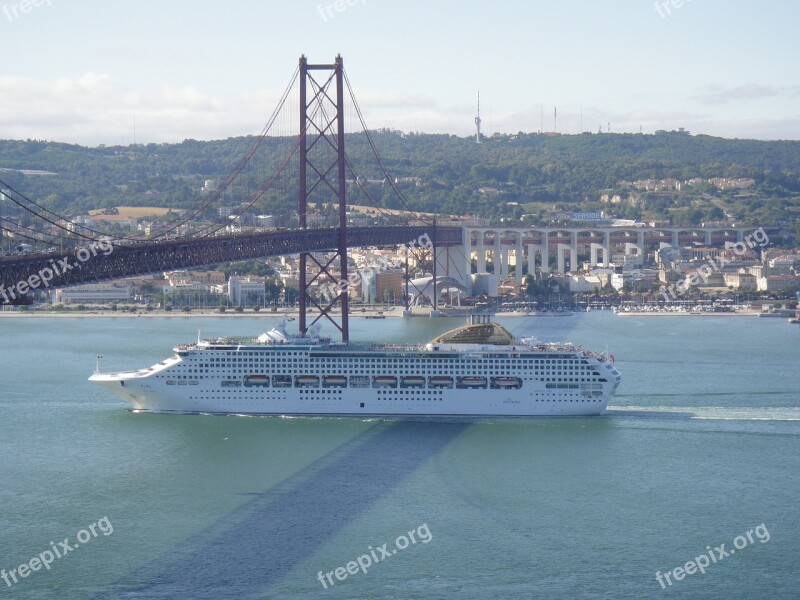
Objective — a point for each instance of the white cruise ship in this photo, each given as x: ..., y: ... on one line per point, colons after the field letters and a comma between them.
x: 472, y: 371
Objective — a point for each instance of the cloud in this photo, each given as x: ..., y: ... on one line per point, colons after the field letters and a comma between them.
x: 378, y: 100
x: 95, y: 108
x: 189, y: 98
x: 719, y: 94
x: 757, y: 129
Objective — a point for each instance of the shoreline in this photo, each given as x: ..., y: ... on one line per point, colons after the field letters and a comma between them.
x: 686, y: 314
x: 294, y: 314
x: 106, y: 314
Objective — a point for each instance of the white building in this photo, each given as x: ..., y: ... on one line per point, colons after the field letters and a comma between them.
x: 619, y: 280
x: 741, y: 281
x: 94, y: 293
x: 246, y: 291
x: 627, y: 260
x: 265, y: 220
x: 772, y: 283
x: 584, y: 283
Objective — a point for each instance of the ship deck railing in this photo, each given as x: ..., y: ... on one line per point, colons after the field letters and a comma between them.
x: 136, y: 373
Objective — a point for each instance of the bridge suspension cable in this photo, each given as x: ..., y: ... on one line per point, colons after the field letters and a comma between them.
x: 26, y: 208
x: 89, y: 233
x: 243, y: 162
x: 255, y: 196
x: 15, y: 231
x: 356, y: 177
x: 374, y: 148
x: 63, y: 230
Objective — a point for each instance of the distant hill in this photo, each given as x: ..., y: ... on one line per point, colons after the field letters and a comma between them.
x: 505, y: 176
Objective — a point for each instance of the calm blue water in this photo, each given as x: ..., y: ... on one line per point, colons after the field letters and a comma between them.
x: 701, y: 445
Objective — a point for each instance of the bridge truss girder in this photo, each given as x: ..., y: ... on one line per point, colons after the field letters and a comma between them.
x: 157, y: 257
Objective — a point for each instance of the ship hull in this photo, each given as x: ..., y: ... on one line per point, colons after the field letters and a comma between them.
x: 146, y: 397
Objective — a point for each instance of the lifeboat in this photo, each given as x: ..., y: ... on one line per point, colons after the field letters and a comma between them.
x: 440, y: 381
x: 359, y: 381
x: 282, y: 381
x: 306, y: 381
x: 412, y: 381
x: 471, y: 382
x: 506, y: 383
x: 256, y: 380
x: 334, y: 381
x: 384, y: 381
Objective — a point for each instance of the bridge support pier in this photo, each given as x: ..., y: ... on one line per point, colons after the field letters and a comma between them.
x: 573, y: 257
x: 595, y: 248
x: 518, y: 259
x: 481, y: 262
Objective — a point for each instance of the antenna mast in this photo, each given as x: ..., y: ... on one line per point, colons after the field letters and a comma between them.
x: 478, y: 121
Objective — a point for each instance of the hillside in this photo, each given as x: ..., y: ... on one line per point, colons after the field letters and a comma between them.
x: 506, y: 176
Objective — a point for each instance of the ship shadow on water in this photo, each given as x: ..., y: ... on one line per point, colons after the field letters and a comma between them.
x: 252, y: 549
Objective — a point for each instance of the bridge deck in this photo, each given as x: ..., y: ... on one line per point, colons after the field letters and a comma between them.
x: 118, y: 261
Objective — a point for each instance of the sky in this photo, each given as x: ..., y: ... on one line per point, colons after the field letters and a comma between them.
x: 113, y: 71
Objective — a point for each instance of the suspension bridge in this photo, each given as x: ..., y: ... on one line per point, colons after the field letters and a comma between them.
x: 298, y: 163
x: 313, y: 168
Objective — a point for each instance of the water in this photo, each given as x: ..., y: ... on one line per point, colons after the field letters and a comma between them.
x: 700, y: 446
